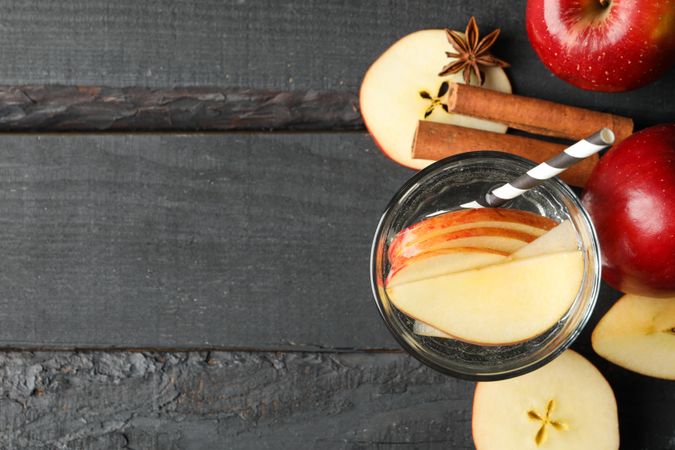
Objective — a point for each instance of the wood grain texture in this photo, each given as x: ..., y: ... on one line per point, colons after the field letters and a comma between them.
x: 212, y: 241
x: 186, y: 401
x: 268, y: 44
x: 96, y: 108
x: 254, y: 401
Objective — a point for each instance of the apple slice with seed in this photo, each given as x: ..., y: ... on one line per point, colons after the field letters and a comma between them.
x: 564, y: 405
x: 638, y: 333
x: 402, y: 87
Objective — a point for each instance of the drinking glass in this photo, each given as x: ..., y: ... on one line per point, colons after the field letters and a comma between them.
x: 442, y: 187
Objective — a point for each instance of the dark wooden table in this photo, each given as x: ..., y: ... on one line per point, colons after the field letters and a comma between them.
x: 175, y: 275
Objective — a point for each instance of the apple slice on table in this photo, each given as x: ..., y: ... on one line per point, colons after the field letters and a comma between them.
x: 443, y: 261
x: 511, y: 219
x: 638, y: 333
x: 496, y: 239
x: 402, y: 87
x: 567, y: 404
x: 498, y: 304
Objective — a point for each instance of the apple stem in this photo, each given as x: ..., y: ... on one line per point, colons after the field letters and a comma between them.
x: 604, y: 3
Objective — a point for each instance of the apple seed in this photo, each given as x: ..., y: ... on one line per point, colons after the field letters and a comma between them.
x: 542, y: 433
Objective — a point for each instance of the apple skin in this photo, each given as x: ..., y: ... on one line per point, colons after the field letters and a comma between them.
x: 502, y: 239
x: 455, y: 220
x: 631, y: 198
x: 616, y: 48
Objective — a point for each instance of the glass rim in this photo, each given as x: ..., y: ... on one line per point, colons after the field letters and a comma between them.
x: 411, y: 183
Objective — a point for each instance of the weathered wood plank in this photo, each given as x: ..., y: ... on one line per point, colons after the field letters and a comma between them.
x: 211, y: 241
x: 266, y: 400
x: 267, y: 44
x: 229, y: 400
x: 96, y: 108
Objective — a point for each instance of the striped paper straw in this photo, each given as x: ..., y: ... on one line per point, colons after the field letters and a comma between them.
x: 549, y: 169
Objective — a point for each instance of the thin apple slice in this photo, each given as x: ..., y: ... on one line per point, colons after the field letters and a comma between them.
x: 564, y: 405
x: 402, y: 85
x: 562, y: 238
x: 499, y: 304
x: 495, y: 239
x: 422, y: 329
x: 638, y: 333
x: 448, y: 222
x: 444, y: 261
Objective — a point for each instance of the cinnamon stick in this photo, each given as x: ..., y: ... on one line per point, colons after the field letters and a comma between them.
x: 438, y: 140
x: 534, y: 115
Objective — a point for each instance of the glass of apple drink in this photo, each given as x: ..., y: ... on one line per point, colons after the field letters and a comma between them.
x: 484, y: 294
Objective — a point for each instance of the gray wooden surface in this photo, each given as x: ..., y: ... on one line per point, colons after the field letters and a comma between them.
x: 242, y: 241
x: 199, y: 400
x: 213, y: 241
x: 254, y: 401
x: 139, y: 249
x: 267, y: 44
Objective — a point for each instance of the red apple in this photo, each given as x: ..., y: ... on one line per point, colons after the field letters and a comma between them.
x: 631, y: 198
x: 604, y: 45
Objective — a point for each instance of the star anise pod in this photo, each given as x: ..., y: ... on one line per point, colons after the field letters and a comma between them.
x: 471, y: 53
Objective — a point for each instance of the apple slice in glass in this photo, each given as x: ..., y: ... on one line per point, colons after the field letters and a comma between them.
x: 443, y: 261
x: 562, y: 238
x: 495, y: 305
x: 496, y: 239
x: 567, y: 404
x: 449, y: 222
x: 422, y: 329
x: 638, y: 333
